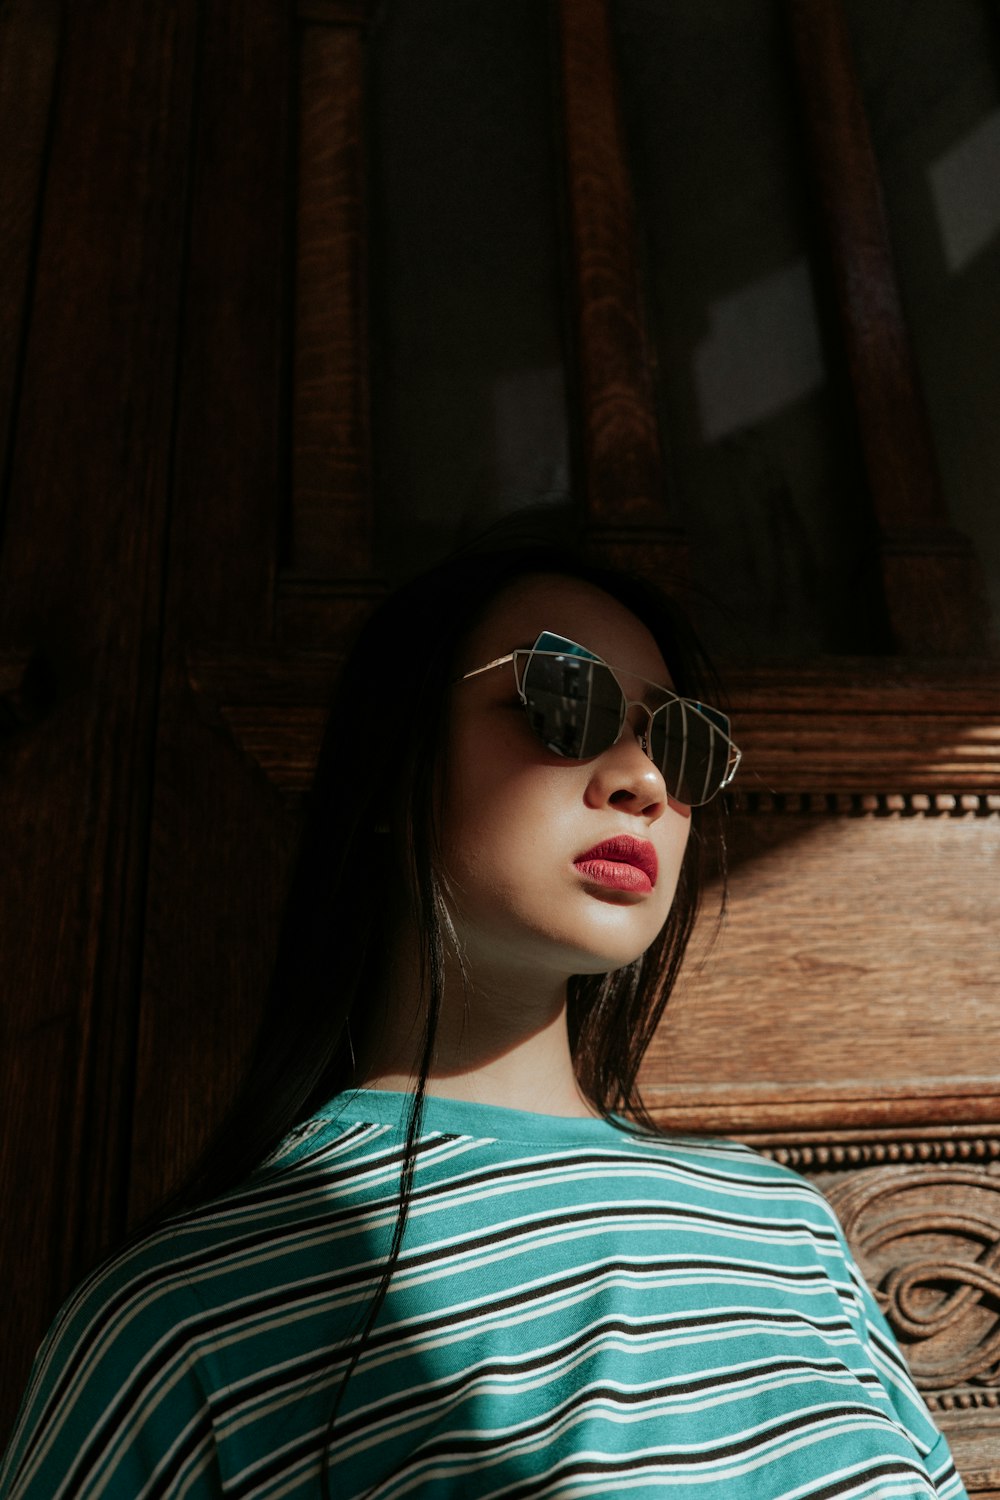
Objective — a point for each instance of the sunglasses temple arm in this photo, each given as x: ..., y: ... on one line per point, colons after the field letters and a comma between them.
x: 499, y: 662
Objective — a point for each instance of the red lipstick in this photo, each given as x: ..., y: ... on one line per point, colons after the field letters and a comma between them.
x: 623, y: 863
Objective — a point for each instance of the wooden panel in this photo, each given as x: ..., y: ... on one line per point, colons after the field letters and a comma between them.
x: 219, y: 843
x: 29, y: 42
x: 332, y: 523
x: 80, y: 590
x: 853, y: 981
x: 932, y: 581
x: 851, y: 726
x: 272, y: 703
x: 622, y: 468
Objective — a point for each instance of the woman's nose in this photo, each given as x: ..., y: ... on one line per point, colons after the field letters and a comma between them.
x: 624, y: 776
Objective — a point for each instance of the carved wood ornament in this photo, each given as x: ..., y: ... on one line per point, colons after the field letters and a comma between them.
x: 928, y: 1241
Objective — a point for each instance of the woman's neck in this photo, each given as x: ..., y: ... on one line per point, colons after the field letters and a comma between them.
x: 504, y: 1042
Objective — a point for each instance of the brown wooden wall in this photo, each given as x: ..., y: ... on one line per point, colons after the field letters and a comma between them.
x: 188, y: 524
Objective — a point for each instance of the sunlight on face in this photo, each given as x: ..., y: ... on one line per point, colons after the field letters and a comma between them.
x: 516, y: 819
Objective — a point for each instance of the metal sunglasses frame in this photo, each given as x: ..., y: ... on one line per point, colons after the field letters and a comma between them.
x: 582, y: 653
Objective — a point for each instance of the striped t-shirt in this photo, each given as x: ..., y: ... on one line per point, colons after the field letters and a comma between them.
x: 577, y: 1311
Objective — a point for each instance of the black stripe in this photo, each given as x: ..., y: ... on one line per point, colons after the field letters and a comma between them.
x: 573, y: 1214
x: 203, y: 1428
x: 887, y: 1469
x: 278, y: 1298
x: 449, y: 1446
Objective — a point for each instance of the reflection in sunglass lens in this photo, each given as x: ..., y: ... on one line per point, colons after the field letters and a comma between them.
x: 690, y: 751
x: 573, y: 705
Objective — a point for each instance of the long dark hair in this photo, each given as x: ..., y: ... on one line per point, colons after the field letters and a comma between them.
x: 376, y: 771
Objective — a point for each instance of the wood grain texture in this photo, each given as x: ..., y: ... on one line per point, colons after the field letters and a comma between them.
x: 623, y: 475
x: 331, y: 610
x: 866, y: 725
x: 29, y: 47
x: 927, y: 1239
x: 272, y: 703
x: 853, y: 981
x: 80, y: 589
x: 932, y: 581
x: 218, y: 842
x: 332, y: 522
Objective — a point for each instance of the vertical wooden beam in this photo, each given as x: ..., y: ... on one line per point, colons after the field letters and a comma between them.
x: 218, y: 843
x: 29, y: 47
x: 930, y: 574
x: 81, y: 578
x: 332, y: 524
x: 623, y: 480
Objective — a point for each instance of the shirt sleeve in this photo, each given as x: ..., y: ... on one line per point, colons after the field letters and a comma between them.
x: 908, y: 1405
x: 118, y: 1403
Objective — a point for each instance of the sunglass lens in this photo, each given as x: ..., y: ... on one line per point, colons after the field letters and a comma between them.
x: 573, y: 705
x: 692, y: 750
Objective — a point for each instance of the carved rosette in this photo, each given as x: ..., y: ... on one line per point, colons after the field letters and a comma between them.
x: 928, y: 1242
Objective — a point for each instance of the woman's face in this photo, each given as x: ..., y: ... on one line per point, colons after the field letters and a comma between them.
x: 516, y: 819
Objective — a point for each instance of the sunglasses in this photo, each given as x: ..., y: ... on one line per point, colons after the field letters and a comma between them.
x: 577, y: 707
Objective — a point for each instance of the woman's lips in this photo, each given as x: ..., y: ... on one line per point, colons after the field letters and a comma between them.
x: 624, y: 863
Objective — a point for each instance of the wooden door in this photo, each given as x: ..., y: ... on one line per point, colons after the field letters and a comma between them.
x: 189, y: 532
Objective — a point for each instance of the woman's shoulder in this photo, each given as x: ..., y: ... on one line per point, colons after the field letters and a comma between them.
x: 733, y: 1166
x: 138, y: 1352
x: 725, y: 1156
x: 118, y: 1344
x: 134, y: 1284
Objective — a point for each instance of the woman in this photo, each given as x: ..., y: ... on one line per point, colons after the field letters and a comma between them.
x: 430, y: 1255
